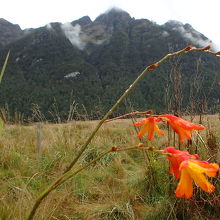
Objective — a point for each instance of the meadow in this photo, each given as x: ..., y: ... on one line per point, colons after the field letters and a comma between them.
x: 124, y: 185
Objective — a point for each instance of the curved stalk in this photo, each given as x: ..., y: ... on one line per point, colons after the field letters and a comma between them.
x: 68, y: 173
x: 125, y: 94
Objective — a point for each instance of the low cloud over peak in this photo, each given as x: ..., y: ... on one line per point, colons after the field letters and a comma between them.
x: 72, y: 33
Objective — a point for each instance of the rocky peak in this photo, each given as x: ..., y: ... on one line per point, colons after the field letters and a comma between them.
x: 172, y: 24
x: 114, y: 18
x: 84, y: 21
x: 188, y: 33
x: 9, y: 32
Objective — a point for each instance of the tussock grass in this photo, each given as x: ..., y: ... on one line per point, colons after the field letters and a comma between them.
x: 120, y: 186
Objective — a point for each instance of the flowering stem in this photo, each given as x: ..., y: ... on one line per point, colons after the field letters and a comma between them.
x: 140, y: 146
x: 147, y: 113
x: 68, y: 173
x: 126, y: 93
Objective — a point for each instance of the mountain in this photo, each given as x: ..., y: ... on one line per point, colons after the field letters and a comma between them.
x: 90, y: 63
x: 9, y: 32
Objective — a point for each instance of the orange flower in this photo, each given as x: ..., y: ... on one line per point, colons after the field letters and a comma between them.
x: 176, y: 157
x: 149, y: 125
x: 195, y: 170
x: 182, y: 127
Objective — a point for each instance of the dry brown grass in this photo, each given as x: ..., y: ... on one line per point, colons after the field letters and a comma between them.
x: 120, y: 186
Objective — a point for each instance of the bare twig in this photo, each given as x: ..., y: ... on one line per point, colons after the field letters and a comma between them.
x: 146, y: 113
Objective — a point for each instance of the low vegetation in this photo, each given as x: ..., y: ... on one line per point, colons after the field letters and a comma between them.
x: 122, y: 185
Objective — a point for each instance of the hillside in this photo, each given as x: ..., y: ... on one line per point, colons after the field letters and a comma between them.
x: 91, y: 63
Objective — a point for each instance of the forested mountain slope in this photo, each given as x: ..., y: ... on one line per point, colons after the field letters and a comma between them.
x: 93, y: 62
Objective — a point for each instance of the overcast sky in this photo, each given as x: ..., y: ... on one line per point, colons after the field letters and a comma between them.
x: 203, y: 15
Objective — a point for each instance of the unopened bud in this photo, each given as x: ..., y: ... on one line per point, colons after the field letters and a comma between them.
x: 140, y: 145
x: 114, y: 148
x: 206, y: 48
x: 153, y: 66
x: 151, y: 148
x: 149, y: 112
x: 190, y: 47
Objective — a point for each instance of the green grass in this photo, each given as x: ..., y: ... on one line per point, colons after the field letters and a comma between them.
x: 120, y: 186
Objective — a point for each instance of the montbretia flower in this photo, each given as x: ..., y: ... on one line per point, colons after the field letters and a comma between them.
x: 150, y: 126
x: 194, y: 170
x: 182, y: 127
x: 176, y: 157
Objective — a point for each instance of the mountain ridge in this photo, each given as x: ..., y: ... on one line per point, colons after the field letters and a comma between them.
x: 9, y: 32
x: 93, y: 62
x: 110, y: 18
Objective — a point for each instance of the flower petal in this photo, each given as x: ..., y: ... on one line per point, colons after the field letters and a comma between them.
x: 196, y: 172
x: 202, y: 182
x: 158, y: 130
x: 140, y: 123
x: 210, y: 169
x: 182, y: 127
x: 143, y: 131
x: 149, y: 125
x: 184, y: 187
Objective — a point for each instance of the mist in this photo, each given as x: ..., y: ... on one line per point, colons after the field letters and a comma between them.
x: 72, y: 33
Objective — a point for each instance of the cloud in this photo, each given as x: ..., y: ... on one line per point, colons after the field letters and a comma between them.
x: 216, y: 47
x: 72, y: 33
x: 49, y: 26
x: 192, y: 35
x: 113, y: 8
x: 165, y: 34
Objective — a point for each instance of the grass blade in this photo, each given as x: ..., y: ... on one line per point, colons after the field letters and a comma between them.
x: 4, y: 66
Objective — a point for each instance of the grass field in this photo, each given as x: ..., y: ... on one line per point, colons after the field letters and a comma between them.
x: 122, y: 185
